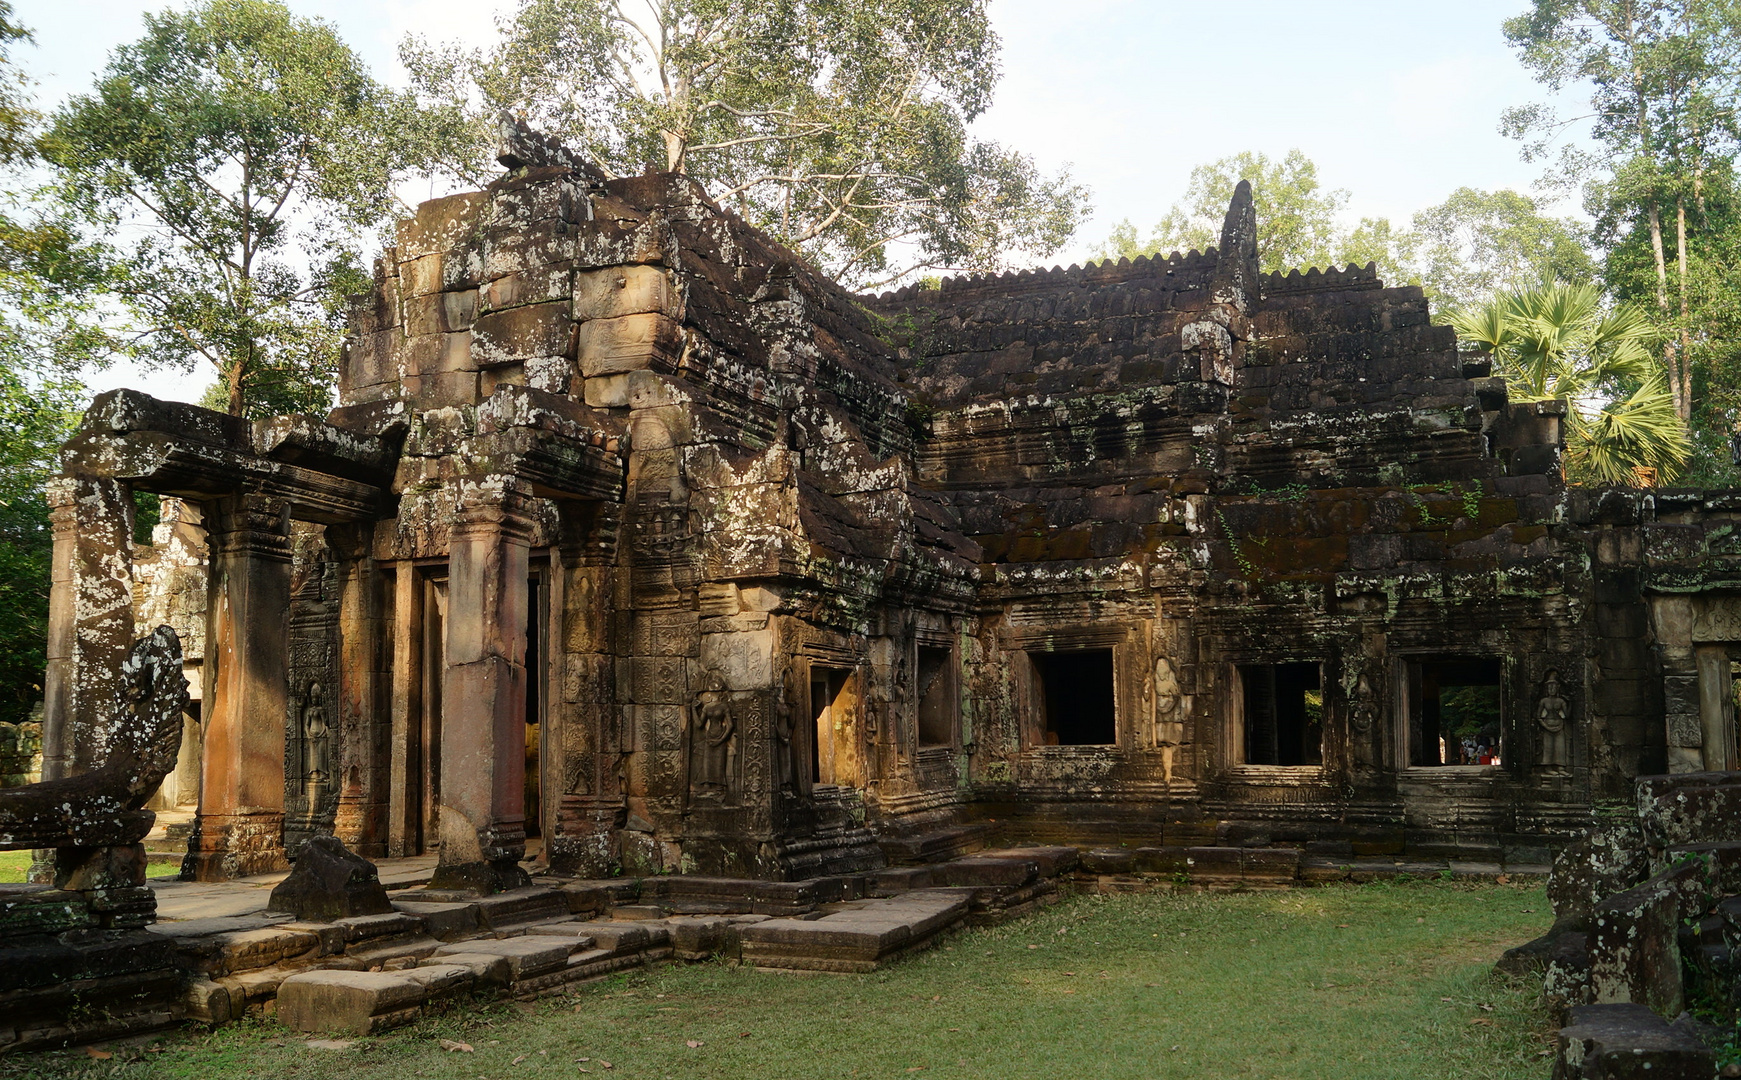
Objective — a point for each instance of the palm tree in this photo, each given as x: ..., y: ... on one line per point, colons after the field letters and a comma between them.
x: 1557, y: 341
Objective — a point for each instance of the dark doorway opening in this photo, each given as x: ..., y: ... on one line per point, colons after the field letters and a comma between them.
x: 831, y: 750
x: 535, y: 649
x: 1284, y: 713
x: 1454, y: 711
x: 1075, y: 690
x: 936, y: 697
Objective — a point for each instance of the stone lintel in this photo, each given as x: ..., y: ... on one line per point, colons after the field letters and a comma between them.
x: 168, y: 465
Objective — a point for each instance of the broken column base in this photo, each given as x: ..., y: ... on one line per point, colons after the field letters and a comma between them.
x: 1628, y: 1042
x: 481, y: 878
x: 228, y: 846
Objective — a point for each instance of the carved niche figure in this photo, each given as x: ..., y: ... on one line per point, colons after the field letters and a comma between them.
x: 317, y: 768
x: 1551, y: 713
x: 1169, y: 725
x: 713, y: 746
x: 785, y: 753
x: 1363, y: 714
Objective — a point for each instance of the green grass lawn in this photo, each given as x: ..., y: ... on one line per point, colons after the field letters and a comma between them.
x: 15, y: 864
x: 1381, y: 981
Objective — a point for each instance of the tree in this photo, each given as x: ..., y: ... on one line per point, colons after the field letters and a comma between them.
x: 245, y: 153
x: 1296, y: 219
x: 840, y: 126
x: 1663, y: 79
x: 1557, y: 341
x: 1477, y: 243
x: 49, y: 279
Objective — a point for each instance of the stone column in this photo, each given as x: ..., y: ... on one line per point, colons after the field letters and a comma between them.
x: 483, y: 740
x: 404, y: 802
x: 90, y: 616
x: 1716, y: 708
x: 240, y: 827
x: 363, y: 706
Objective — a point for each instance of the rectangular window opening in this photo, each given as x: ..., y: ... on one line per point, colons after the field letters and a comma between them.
x: 1454, y: 711
x: 1075, y: 691
x: 936, y: 697
x: 1283, y: 706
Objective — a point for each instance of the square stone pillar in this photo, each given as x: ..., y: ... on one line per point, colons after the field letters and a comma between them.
x: 90, y: 617
x: 240, y: 827
x: 483, y: 722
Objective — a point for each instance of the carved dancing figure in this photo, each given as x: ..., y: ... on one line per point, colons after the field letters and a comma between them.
x: 317, y: 770
x: 1362, y: 716
x: 785, y: 754
x: 713, y: 748
x: 1551, y: 713
x: 1169, y: 729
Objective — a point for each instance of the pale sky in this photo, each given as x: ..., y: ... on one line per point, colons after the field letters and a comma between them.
x: 1397, y: 101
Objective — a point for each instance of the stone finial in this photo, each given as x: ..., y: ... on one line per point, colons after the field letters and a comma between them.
x: 1236, y: 273
x: 518, y: 146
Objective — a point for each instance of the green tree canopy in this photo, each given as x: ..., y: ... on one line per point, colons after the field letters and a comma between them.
x: 243, y: 153
x: 1559, y: 341
x: 1663, y: 79
x: 840, y: 126
x: 49, y: 279
x: 1479, y: 243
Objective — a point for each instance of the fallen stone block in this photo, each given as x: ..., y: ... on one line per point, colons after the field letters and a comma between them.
x: 1215, y: 863
x: 700, y: 938
x: 519, y: 906
x: 359, y: 1002
x: 617, y: 938
x: 1628, y: 1042
x: 1690, y: 808
x: 1053, y: 861
x: 441, y: 980
x: 389, y: 924
x: 486, y: 970
x: 1159, y: 860
x: 1634, y: 948
x: 328, y: 883
x: 859, y: 939
x: 1269, y: 864
x: 985, y: 870
x: 526, y: 956
x: 1108, y: 861
x: 445, y: 921
x: 225, y: 954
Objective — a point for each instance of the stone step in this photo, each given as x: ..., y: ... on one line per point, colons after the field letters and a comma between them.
x: 1601, y: 1042
x: 939, y: 845
x: 862, y: 938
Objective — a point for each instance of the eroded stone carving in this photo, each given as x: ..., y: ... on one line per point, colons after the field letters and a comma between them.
x: 1169, y: 727
x: 713, y: 745
x: 1552, y: 713
x: 102, y: 806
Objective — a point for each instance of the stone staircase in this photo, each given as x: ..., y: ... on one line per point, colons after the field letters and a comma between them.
x: 372, y: 972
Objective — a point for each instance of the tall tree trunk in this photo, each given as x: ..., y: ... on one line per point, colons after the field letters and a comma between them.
x: 1683, y: 408
x: 1686, y: 332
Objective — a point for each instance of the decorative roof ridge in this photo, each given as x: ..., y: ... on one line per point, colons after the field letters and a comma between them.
x: 1102, y: 271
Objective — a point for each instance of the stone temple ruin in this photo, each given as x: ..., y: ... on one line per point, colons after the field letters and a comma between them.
x: 635, y: 540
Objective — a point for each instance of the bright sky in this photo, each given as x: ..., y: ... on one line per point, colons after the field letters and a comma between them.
x: 1397, y: 101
